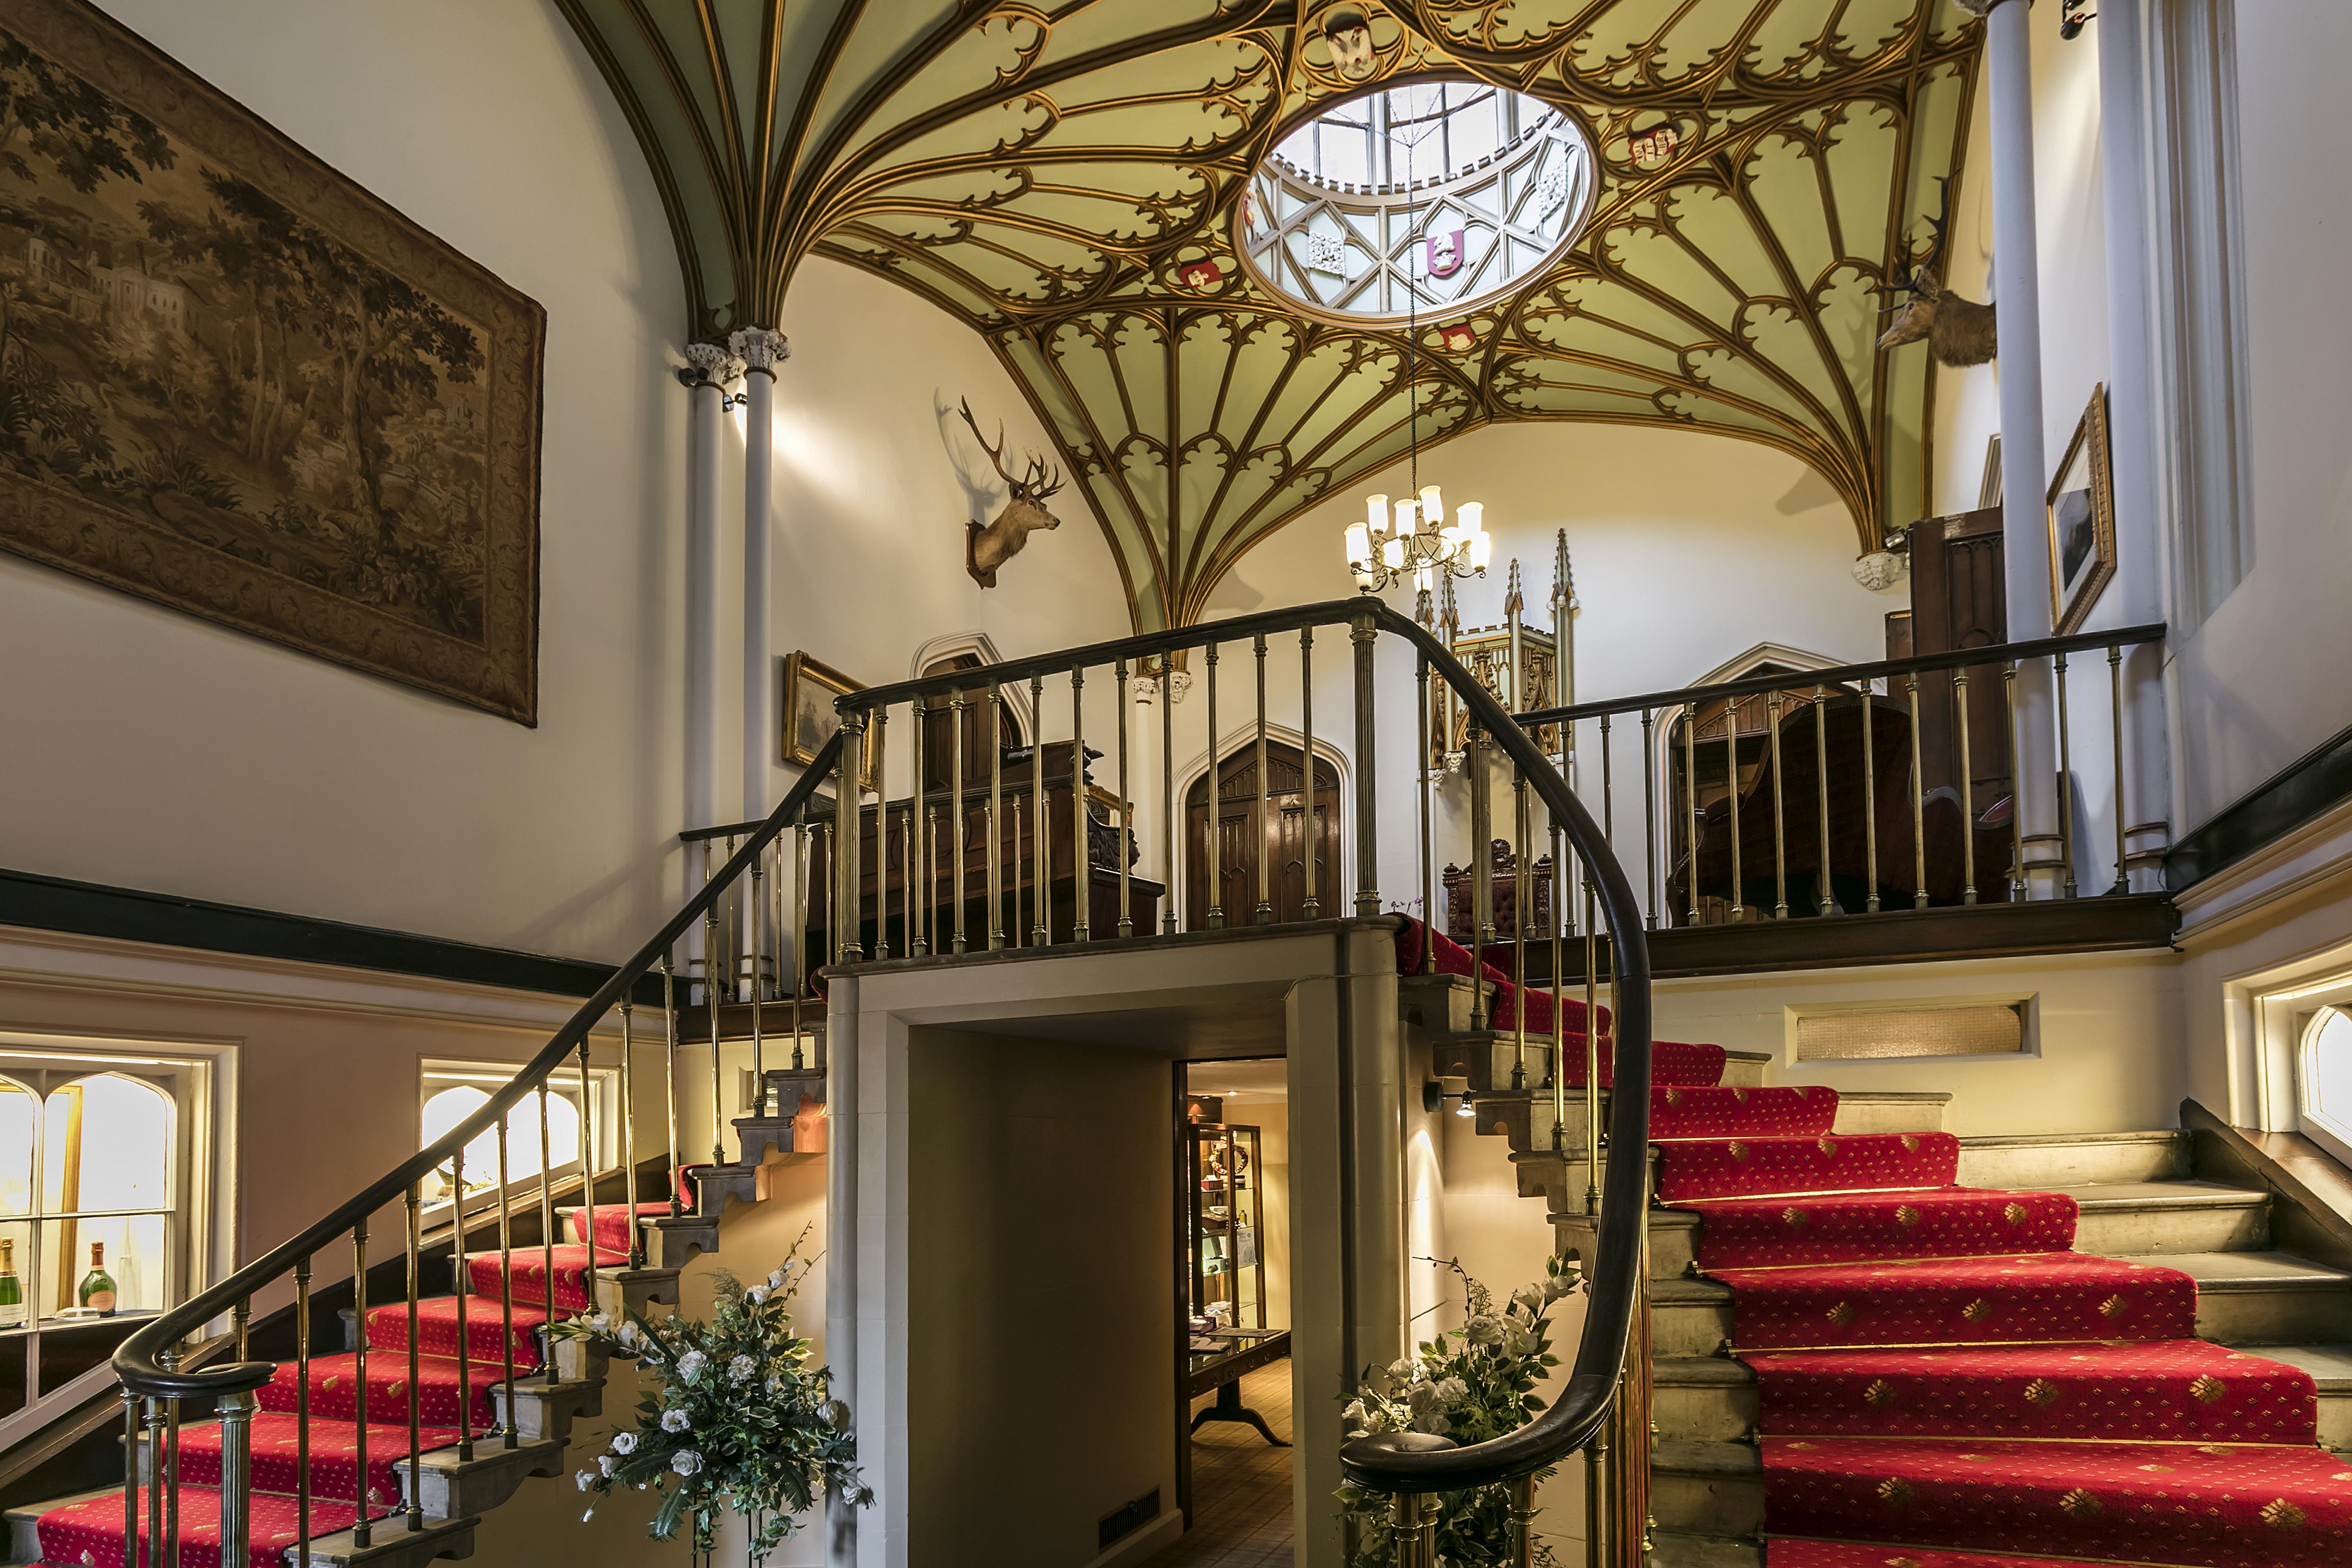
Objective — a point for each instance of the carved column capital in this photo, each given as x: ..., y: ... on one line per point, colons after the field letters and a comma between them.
x: 760, y: 348
x: 710, y: 365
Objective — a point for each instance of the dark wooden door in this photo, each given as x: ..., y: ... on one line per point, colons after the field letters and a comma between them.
x: 1279, y: 839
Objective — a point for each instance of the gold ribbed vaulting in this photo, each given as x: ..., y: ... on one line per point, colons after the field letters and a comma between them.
x: 1057, y: 176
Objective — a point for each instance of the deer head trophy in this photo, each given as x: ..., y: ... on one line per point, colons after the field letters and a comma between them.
x: 1958, y: 331
x: 989, y: 547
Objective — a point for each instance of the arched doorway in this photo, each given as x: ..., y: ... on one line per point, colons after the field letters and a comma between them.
x: 1279, y: 838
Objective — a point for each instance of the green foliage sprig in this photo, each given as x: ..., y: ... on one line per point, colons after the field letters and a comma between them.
x: 737, y: 1420
x: 1469, y: 1383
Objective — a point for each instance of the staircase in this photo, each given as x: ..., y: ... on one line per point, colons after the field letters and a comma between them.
x: 483, y: 1425
x: 1870, y: 1335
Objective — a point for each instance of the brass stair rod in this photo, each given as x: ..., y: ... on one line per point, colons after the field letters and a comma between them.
x: 507, y: 1435
x: 1731, y: 764
x: 669, y: 1083
x: 995, y: 816
x: 1041, y: 843
x: 1869, y: 802
x: 1919, y: 803
x: 1123, y: 700
x: 1968, y: 790
x: 1264, y: 914
x: 1167, y: 799
x: 1826, y: 903
x: 1690, y: 804
x: 1081, y: 848
x: 1427, y: 962
x: 1522, y: 887
x: 1312, y: 909
x: 955, y: 812
x: 547, y: 1233
x: 1216, y: 839
x: 2115, y: 710
x: 1780, y: 812
x: 2066, y: 784
x: 414, y: 1233
x: 1654, y: 892
x: 1482, y: 873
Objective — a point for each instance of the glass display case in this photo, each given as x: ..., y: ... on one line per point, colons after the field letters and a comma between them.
x: 1228, y: 1223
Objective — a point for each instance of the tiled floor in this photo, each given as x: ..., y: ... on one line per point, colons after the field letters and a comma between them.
x: 1241, y: 1485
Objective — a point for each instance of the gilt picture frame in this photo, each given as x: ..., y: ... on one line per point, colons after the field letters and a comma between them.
x: 811, y: 687
x: 2081, y: 512
x: 239, y: 386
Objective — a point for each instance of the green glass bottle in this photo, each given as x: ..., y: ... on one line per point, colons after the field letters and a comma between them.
x: 12, y: 1293
x: 97, y: 1286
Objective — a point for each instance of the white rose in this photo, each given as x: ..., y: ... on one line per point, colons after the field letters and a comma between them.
x: 674, y: 1421
x: 605, y: 1466
x: 1518, y: 1339
x: 756, y: 1294
x: 1453, y: 1391
x: 1482, y: 1330
x: 627, y: 1336
x: 1421, y: 1396
x: 685, y: 1462
x: 584, y: 1478
x: 624, y: 1442
x: 1530, y: 1298
x: 776, y: 1280
x: 1432, y: 1422
x: 740, y: 1369
x: 1352, y: 1417
x: 598, y: 1322
x: 690, y: 1364
x: 1558, y: 1285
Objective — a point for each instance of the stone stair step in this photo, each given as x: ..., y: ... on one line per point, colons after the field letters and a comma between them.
x: 2262, y: 1298
x: 2148, y: 1218
x: 2078, y: 1159
x: 1706, y: 1488
x: 448, y: 1487
x: 1525, y: 1118
x: 1674, y: 1548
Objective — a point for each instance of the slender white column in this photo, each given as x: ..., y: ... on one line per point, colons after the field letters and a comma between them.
x: 709, y: 368
x: 2017, y: 288
x: 761, y: 349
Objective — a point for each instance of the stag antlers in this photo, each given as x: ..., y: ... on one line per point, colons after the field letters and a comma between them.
x: 1038, y: 481
x: 1958, y: 331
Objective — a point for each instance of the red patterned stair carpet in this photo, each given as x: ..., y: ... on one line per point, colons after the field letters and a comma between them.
x: 90, y: 1534
x: 1942, y: 1377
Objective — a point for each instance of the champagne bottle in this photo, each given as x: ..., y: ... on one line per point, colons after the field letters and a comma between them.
x: 12, y: 1294
x: 97, y: 1285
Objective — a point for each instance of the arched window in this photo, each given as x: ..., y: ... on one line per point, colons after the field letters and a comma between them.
x: 2324, y: 1075
x: 88, y: 1194
x: 445, y: 1107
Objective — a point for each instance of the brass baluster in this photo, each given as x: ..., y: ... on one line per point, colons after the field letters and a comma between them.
x: 1608, y: 790
x: 1918, y: 802
x: 301, y: 1412
x: 1780, y: 812
x: 157, y: 1551
x: 1558, y: 1023
x: 1596, y: 1500
x: 1967, y: 792
x: 167, y: 1463
x: 414, y: 1238
x: 799, y: 932
x: 1731, y: 762
x: 848, y: 836
x: 669, y: 1085
x: 1082, y: 849
x: 955, y: 743
x: 463, y: 1274
x: 759, y: 1021
x: 1482, y: 872
x: 1362, y: 633
x: 1041, y: 840
x: 2017, y: 884
x: 588, y: 1172
x: 362, y: 1531
x: 1592, y: 1047
x: 1869, y: 801
x: 908, y: 940
x: 1312, y: 907
x: 1265, y: 835
x: 506, y: 1299
x: 235, y: 1477
x: 1827, y: 903
x: 995, y: 816
x: 1428, y: 959
x: 1520, y: 1516
x: 130, y: 1429
x: 880, y: 720
x: 1123, y: 700
x: 1690, y: 801
x: 1168, y: 794
x: 1654, y: 888
x: 1015, y: 878
x: 931, y: 892
x: 2115, y: 708
x: 1413, y: 1516
x: 918, y: 849
x: 546, y: 1230
x: 2066, y: 784
x: 634, y: 1257
x: 1522, y: 888
x: 821, y: 844
x: 710, y: 1006
x: 1215, y: 830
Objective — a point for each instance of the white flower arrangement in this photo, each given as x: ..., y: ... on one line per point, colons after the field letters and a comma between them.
x: 766, y: 1440
x: 1469, y: 1383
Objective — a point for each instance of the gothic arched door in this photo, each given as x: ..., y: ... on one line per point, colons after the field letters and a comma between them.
x: 1243, y: 840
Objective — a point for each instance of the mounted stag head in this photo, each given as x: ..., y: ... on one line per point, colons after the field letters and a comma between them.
x: 988, y: 548
x: 1958, y: 331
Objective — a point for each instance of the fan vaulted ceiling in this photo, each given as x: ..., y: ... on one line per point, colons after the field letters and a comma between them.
x: 1064, y: 177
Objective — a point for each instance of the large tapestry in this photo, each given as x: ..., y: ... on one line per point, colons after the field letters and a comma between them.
x: 234, y: 383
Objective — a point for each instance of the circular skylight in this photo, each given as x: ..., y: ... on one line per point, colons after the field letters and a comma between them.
x: 1425, y: 200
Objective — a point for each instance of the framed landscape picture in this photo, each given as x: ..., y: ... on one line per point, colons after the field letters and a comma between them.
x: 234, y: 383
x: 2081, y: 507
x: 811, y: 687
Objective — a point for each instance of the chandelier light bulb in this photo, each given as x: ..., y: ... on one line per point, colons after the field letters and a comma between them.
x: 1393, y: 553
x: 1359, y: 545
x: 1470, y: 519
x: 1376, y: 513
x: 1482, y: 549
x: 1432, y: 506
x: 1404, y: 515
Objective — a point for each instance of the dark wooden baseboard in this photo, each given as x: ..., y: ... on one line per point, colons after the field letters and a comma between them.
x: 1892, y: 936
x: 2313, y: 1184
x: 2313, y: 785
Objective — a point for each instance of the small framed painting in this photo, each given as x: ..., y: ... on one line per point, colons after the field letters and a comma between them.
x: 2081, y: 503
x: 811, y: 687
